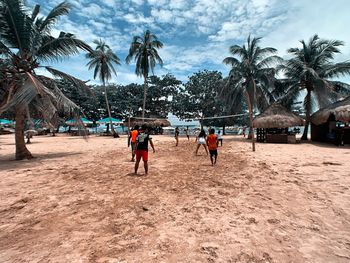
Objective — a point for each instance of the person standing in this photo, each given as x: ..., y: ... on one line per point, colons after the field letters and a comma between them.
x: 187, y: 133
x: 142, y: 140
x: 244, y: 129
x: 177, y: 133
x: 219, y: 138
x: 201, y: 141
x: 132, y: 141
x: 212, y: 143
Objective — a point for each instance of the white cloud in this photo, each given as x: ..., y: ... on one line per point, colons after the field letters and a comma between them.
x: 137, y: 18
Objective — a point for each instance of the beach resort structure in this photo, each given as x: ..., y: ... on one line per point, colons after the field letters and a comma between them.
x: 272, y: 125
x: 331, y: 124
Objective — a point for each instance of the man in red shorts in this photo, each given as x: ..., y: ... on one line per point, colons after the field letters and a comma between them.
x: 142, y: 140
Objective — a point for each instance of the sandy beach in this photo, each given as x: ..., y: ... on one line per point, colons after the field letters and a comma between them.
x: 78, y: 201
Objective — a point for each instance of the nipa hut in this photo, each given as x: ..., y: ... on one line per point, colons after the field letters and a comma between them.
x: 155, y: 124
x: 331, y: 124
x: 272, y: 125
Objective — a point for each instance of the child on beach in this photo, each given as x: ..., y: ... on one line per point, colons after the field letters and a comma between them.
x: 212, y: 143
x: 142, y: 140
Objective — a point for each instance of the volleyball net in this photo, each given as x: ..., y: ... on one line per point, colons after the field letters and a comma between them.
x: 188, y: 120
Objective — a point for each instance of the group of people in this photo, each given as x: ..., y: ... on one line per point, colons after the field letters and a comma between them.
x: 139, y: 139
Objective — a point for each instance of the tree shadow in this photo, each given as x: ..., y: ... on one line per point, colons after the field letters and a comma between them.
x: 8, y: 162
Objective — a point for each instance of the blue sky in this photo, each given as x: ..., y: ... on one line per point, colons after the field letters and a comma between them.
x: 197, y: 33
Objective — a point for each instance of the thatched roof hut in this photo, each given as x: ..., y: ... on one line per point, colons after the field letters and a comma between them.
x: 150, y: 122
x: 277, y: 116
x: 340, y: 110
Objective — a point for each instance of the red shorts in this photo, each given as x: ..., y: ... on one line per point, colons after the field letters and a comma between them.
x: 143, y: 154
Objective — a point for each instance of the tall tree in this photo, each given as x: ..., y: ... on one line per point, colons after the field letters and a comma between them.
x: 144, y: 51
x: 251, y: 76
x: 198, y: 97
x: 25, y: 43
x: 102, y: 60
x: 312, y: 69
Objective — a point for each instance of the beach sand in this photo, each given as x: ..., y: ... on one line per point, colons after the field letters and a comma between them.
x: 79, y: 202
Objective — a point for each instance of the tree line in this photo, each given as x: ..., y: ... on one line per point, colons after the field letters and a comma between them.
x: 257, y: 78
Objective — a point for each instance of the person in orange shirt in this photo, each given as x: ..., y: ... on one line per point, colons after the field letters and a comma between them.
x: 212, y: 143
x: 133, y: 142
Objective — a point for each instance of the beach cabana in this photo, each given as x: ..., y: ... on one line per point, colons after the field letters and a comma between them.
x: 5, y: 122
x: 272, y: 125
x: 155, y: 124
x: 73, y: 122
x: 331, y: 124
x: 106, y: 121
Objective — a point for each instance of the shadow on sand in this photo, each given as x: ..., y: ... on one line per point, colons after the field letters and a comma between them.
x: 7, y: 162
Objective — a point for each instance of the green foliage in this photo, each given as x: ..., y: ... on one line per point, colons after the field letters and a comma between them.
x: 102, y: 60
x: 252, y: 75
x: 25, y: 42
x: 312, y: 69
x: 144, y: 51
x: 199, y: 98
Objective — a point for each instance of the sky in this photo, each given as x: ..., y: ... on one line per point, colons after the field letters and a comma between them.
x: 197, y: 34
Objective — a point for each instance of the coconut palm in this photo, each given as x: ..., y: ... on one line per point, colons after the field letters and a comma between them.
x: 312, y: 69
x: 25, y: 43
x: 102, y: 60
x: 251, y: 77
x: 144, y: 51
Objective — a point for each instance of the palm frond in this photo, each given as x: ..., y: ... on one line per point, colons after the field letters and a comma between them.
x: 16, y: 26
x: 35, y: 12
x: 75, y: 81
x: 60, y: 10
x: 57, y: 48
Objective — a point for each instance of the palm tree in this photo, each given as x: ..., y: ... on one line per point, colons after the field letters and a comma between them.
x: 144, y: 50
x: 102, y: 60
x: 251, y: 76
x: 311, y: 69
x: 25, y: 42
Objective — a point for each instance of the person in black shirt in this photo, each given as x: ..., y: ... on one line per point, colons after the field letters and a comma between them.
x: 142, y: 140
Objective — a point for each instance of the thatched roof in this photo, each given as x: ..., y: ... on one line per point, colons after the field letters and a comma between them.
x: 151, y: 123
x: 277, y: 116
x: 340, y: 109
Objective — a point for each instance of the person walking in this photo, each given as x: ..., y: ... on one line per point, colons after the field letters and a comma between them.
x: 132, y: 141
x: 201, y: 141
x: 177, y: 133
x: 142, y: 140
x: 212, y: 143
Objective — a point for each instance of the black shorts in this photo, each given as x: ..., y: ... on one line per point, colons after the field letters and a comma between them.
x: 213, y: 152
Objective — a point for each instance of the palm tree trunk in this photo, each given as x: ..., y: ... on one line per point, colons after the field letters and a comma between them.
x: 144, y: 99
x: 21, y: 150
x: 30, y: 125
x: 108, y: 109
x: 307, y: 114
x: 251, y: 128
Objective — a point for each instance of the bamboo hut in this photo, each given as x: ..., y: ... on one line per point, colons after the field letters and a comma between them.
x: 272, y: 125
x: 155, y: 124
x: 331, y: 124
